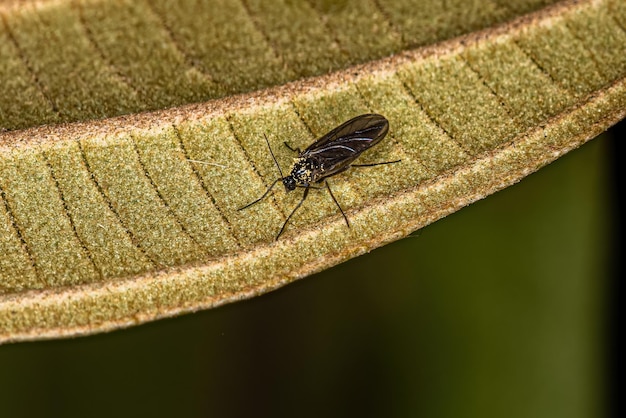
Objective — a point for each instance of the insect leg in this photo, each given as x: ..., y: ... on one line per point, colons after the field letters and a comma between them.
x: 292, y: 149
x: 374, y: 164
x: 304, y: 195
x: 337, y: 203
x: 261, y: 198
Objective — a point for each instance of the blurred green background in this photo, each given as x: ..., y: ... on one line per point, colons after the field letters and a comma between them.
x: 496, y: 310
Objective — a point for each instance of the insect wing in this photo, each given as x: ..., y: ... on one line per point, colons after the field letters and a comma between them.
x: 369, y: 127
x: 350, y: 138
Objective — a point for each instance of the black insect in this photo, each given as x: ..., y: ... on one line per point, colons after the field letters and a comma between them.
x: 329, y: 155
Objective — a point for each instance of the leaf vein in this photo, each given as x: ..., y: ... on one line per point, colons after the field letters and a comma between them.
x: 69, y: 216
x: 35, y: 78
x: 108, y: 202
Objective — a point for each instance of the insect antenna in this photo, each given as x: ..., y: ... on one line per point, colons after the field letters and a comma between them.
x: 273, y: 184
x: 273, y: 157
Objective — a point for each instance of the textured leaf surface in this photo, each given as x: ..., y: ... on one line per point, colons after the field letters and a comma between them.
x: 111, y: 223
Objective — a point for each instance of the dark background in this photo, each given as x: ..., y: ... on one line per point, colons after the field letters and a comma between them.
x: 509, y: 307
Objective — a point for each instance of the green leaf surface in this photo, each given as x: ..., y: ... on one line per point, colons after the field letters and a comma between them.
x: 111, y: 223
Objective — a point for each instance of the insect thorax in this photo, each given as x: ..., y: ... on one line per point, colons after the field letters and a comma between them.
x: 304, y: 171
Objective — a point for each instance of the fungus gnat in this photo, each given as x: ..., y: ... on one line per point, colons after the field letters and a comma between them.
x: 329, y: 155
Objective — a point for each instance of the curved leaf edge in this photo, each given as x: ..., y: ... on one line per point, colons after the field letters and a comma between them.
x: 66, y: 307
x: 62, y: 312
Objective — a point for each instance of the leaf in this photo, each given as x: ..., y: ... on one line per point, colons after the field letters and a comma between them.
x: 106, y: 224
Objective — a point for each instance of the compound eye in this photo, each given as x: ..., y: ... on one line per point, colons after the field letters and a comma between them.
x: 290, y: 183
